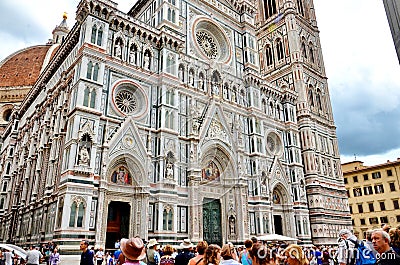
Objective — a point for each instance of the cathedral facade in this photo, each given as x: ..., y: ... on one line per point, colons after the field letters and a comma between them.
x: 208, y: 120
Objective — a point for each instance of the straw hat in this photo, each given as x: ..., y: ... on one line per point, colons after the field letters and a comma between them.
x: 133, y: 248
x: 186, y: 244
x: 152, y: 242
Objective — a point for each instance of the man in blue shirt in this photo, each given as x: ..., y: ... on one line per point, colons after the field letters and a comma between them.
x: 87, y: 255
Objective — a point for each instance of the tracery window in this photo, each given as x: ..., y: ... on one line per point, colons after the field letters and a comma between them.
x: 171, y: 64
x: 89, y: 98
x: 171, y: 15
x: 169, y: 119
x: 92, y: 71
x: 269, y: 8
x: 76, y: 217
x: 279, y: 49
x: 318, y: 99
x: 60, y: 212
x: 311, y: 52
x: 168, y: 216
x: 300, y: 7
x: 303, y: 49
x: 5, y: 186
x: 97, y: 35
x: 269, y: 55
x: 310, y: 96
x: 169, y: 97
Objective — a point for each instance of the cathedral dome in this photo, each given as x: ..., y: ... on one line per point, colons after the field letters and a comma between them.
x: 22, y: 68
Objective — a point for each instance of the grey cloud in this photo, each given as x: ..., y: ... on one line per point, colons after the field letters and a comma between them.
x: 20, y: 24
x: 363, y: 129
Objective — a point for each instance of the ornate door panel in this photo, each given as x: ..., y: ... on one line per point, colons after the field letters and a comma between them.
x: 212, y: 230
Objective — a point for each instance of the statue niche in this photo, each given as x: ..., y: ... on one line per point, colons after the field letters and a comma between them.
x: 85, y: 146
x: 169, y: 169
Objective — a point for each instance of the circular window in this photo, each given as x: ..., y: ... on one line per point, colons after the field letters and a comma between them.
x: 274, y: 144
x: 211, y: 41
x: 126, y: 101
x: 207, y: 43
x: 129, y: 99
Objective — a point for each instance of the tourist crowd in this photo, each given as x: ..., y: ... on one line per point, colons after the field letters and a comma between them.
x: 382, y: 246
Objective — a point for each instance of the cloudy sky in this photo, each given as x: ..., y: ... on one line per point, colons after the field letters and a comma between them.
x: 360, y: 60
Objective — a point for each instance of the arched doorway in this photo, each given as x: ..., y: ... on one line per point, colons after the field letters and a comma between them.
x: 117, y: 222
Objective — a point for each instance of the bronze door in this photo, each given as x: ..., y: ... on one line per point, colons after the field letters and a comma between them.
x: 212, y: 231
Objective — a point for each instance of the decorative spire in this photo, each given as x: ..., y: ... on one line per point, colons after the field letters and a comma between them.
x: 60, y: 31
x: 63, y: 23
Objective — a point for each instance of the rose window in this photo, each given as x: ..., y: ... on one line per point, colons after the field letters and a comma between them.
x: 129, y: 99
x: 274, y: 144
x: 271, y: 144
x: 211, y: 40
x: 207, y: 44
x: 126, y: 101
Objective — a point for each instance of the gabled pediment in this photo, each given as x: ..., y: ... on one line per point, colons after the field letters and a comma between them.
x: 127, y: 140
x: 277, y: 174
x: 216, y: 128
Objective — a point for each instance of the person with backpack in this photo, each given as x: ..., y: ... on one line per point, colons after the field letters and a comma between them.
x: 201, y: 248
x: 152, y: 255
x: 166, y: 258
x: 357, y: 252
x: 346, y: 248
x: 244, y: 256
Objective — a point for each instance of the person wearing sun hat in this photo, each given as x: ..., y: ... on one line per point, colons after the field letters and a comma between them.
x: 153, y: 257
x: 133, y: 250
x: 186, y: 254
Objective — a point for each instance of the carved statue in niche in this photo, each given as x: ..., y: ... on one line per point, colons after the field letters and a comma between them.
x: 201, y: 82
x: 132, y: 56
x: 191, y: 78
x: 84, y: 157
x: 118, y: 51
x: 169, y: 172
x: 146, y: 64
x: 180, y: 74
x: 216, y: 89
x: 232, y: 225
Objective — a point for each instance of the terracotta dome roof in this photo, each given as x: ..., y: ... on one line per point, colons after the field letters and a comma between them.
x: 23, y: 67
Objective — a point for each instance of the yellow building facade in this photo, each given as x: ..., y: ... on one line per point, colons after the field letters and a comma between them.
x: 374, y: 194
